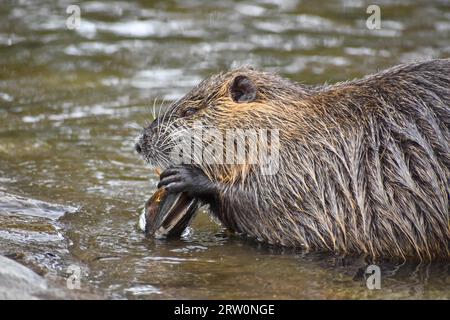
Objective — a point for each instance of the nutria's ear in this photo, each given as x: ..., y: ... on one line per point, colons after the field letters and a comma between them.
x: 243, y: 89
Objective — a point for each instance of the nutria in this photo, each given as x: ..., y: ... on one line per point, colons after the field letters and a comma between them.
x: 363, y: 164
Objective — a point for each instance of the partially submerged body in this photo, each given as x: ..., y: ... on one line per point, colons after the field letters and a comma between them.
x: 363, y: 165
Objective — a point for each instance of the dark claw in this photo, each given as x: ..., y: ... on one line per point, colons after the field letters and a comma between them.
x: 187, y: 179
x: 169, y: 172
x: 176, y: 187
x: 168, y: 180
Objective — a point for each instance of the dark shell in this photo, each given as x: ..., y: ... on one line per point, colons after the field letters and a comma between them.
x: 168, y: 214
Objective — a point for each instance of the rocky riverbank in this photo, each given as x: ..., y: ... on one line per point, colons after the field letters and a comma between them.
x: 18, y: 282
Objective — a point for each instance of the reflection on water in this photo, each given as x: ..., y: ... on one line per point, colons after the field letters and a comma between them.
x: 71, y: 187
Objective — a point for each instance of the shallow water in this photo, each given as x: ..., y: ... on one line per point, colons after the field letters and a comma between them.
x: 71, y: 102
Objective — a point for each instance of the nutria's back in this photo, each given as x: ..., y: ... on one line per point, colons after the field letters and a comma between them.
x: 363, y: 165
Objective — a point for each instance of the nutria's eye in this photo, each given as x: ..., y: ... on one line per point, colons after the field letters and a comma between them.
x: 189, y: 112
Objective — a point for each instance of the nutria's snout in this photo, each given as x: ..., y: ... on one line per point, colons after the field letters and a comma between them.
x: 145, y: 138
x: 138, y: 147
x: 149, y: 145
x: 143, y: 141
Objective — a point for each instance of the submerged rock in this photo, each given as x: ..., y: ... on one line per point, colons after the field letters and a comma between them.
x: 31, y: 233
x: 19, y: 282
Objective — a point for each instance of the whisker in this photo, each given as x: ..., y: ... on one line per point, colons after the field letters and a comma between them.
x: 134, y: 125
x: 153, y: 110
x: 159, y: 116
x: 169, y: 123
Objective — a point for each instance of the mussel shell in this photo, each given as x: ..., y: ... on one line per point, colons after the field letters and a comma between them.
x: 167, y: 214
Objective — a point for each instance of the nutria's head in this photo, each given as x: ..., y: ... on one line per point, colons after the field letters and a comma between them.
x: 239, y: 99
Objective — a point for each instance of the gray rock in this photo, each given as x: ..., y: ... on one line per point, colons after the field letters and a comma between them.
x: 19, y: 282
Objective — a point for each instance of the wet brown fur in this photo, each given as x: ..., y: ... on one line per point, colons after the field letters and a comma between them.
x: 364, y: 164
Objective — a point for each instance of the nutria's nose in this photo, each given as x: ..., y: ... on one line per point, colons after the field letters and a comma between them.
x: 138, y: 147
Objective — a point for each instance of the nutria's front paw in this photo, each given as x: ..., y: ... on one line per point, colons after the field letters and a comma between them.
x: 187, y: 179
